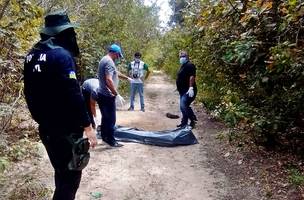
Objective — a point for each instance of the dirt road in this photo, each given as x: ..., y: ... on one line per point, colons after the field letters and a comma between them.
x: 138, y: 171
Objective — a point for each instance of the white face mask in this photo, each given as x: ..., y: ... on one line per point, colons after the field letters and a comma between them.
x: 182, y: 60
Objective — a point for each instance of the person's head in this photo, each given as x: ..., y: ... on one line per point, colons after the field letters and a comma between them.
x: 115, y: 52
x: 58, y: 25
x: 137, y: 56
x: 183, y: 57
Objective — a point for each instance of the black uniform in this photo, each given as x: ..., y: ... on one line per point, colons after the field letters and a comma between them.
x: 54, y: 99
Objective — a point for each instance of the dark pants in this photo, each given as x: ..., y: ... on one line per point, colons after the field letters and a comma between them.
x: 59, y: 151
x: 87, y: 96
x: 108, y: 112
x: 187, y: 112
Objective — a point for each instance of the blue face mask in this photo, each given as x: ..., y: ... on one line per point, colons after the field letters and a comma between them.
x: 182, y: 60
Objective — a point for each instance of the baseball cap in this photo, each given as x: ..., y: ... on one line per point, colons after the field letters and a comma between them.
x: 116, y: 49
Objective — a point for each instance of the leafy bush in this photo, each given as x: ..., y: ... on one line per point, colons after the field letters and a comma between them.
x: 296, y: 177
x: 249, y: 62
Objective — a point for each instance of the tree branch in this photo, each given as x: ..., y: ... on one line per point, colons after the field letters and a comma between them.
x: 11, y: 112
x: 5, y: 5
x: 234, y: 8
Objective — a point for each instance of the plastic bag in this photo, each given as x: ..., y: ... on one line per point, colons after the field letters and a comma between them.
x: 168, y: 138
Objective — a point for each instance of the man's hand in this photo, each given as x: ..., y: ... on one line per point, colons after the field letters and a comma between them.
x: 130, y: 79
x: 90, y: 134
x: 190, y: 92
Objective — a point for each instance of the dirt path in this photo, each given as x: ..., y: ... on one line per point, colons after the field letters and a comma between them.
x: 138, y: 171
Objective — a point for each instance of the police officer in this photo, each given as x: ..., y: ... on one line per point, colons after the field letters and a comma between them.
x: 55, y: 101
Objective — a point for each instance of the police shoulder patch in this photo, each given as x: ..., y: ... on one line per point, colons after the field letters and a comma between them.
x: 72, y: 75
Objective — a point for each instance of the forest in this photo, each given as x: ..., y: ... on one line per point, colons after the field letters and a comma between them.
x: 248, y: 53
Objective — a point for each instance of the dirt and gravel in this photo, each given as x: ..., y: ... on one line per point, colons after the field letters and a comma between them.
x: 225, y: 165
x: 138, y: 171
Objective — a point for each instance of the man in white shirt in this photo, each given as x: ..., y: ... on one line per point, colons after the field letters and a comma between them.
x: 136, y: 71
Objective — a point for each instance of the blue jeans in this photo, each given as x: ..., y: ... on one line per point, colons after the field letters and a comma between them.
x: 107, y: 108
x: 185, y: 108
x: 134, y: 88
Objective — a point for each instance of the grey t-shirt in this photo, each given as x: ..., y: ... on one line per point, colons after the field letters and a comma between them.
x: 106, y: 67
x: 91, y: 85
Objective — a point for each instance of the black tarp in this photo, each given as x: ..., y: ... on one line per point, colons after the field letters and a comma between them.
x: 168, y: 138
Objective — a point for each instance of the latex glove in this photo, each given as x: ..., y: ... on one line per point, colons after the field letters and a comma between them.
x: 130, y: 79
x: 119, y: 100
x: 190, y: 92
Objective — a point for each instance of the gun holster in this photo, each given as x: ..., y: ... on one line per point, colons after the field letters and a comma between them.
x: 80, y: 153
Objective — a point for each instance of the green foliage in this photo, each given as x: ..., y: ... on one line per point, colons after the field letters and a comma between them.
x: 108, y: 23
x: 4, y: 162
x: 19, y: 21
x: 172, y: 42
x: 296, y: 177
x: 249, y: 62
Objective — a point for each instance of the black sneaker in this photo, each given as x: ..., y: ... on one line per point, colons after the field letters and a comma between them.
x: 130, y: 109
x: 143, y: 110
x: 115, y: 144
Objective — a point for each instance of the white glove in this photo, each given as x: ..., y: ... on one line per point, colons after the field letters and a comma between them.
x: 130, y: 79
x: 190, y: 92
x: 119, y: 100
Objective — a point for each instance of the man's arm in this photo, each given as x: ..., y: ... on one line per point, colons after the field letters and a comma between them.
x: 110, y: 84
x: 93, y: 106
x: 191, y: 81
x: 121, y: 75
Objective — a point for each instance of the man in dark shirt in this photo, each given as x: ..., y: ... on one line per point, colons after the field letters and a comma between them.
x: 187, y: 89
x: 54, y: 99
